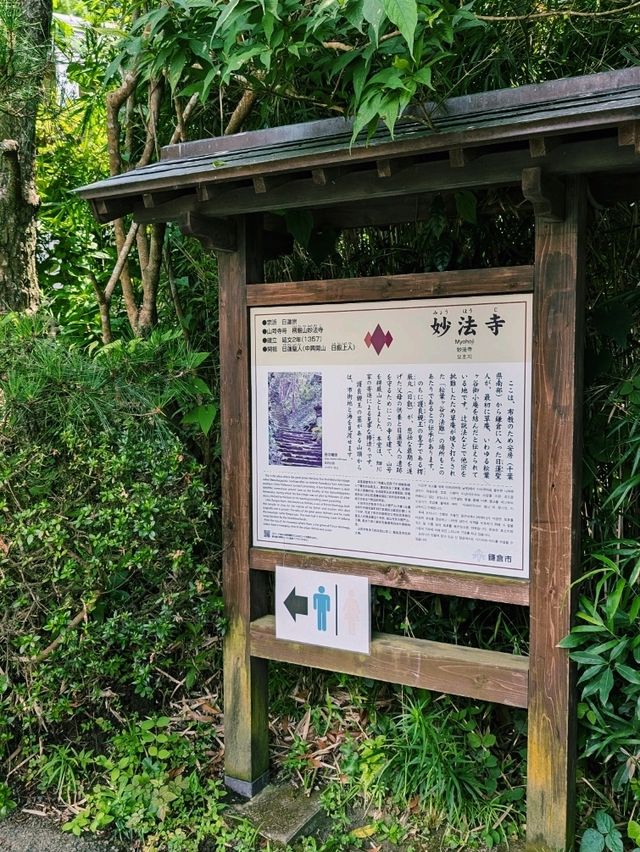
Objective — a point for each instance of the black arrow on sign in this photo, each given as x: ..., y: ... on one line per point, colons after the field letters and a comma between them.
x: 296, y: 604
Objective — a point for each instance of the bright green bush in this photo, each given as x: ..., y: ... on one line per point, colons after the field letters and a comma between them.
x: 109, y: 580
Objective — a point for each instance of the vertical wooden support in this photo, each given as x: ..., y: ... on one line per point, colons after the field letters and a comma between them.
x: 558, y: 328
x: 245, y: 678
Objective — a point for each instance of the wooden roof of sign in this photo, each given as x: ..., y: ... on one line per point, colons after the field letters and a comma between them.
x: 582, y: 125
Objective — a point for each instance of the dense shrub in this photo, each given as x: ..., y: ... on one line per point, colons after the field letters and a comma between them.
x: 108, y: 551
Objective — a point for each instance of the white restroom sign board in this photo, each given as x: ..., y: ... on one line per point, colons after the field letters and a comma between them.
x: 323, y: 608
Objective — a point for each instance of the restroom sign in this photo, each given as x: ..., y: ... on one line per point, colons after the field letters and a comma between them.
x: 322, y: 608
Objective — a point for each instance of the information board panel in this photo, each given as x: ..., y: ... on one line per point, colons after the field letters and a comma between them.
x: 322, y: 608
x: 397, y: 431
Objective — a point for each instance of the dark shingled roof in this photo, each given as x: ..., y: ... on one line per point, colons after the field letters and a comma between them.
x: 569, y: 109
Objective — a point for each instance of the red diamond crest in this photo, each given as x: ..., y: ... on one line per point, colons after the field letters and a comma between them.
x: 379, y: 339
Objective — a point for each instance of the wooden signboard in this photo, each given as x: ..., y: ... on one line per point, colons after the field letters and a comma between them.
x: 559, y: 142
x: 530, y: 383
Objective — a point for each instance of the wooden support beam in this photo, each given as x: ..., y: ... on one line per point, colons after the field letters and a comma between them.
x: 362, y: 214
x: 395, y: 576
x: 267, y: 183
x: 214, y: 234
x: 207, y: 191
x: 542, y: 146
x: 546, y: 193
x: 326, y: 176
x: 419, y: 285
x: 485, y: 675
x: 629, y: 134
x: 108, y: 209
x: 390, y: 166
x: 246, y: 751
x: 155, y: 199
x: 166, y: 211
x: 555, y: 521
x: 460, y: 157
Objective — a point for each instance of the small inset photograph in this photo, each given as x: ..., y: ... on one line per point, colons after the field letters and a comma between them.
x: 295, y: 419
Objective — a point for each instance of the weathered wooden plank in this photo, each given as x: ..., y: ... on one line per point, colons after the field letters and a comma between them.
x: 495, y: 169
x: 245, y: 678
x: 485, y: 675
x: 542, y: 146
x: 547, y: 194
x: 365, y: 213
x: 400, y: 576
x: 226, y: 196
x: 535, y: 96
x: 555, y: 524
x: 267, y: 183
x: 460, y: 157
x: 214, y: 234
x: 629, y: 134
x: 516, y: 279
x: 389, y: 166
x: 325, y: 177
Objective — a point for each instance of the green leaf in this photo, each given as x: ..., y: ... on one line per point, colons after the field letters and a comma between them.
x: 628, y: 673
x: 587, y: 658
x: 613, y: 841
x: 404, y: 14
x: 355, y: 14
x: 226, y: 13
x: 604, y: 822
x: 606, y: 685
x: 592, y: 841
x: 373, y: 12
x: 202, y: 416
x: 571, y: 641
x: 200, y: 386
x: 633, y: 830
x: 613, y: 599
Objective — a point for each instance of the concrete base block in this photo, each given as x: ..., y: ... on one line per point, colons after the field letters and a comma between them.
x: 282, y: 814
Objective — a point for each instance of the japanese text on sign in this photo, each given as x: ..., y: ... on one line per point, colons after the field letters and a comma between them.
x: 395, y: 431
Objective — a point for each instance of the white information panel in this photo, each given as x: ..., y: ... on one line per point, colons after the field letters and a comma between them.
x: 397, y: 431
x: 322, y: 608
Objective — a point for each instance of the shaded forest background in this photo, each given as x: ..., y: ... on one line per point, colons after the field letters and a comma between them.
x: 111, y: 614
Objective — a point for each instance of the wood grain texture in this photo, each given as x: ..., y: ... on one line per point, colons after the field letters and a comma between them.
x: 400, y: 576
x: 516, y: 279
x: 245, y: 679
x: 485, y: 675
x: 547, y: 194
x: 557, y: 383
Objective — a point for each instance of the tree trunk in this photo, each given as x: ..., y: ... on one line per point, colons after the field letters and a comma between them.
x: 18, y: 197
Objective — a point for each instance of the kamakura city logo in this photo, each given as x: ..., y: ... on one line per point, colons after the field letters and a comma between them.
x: 379, y: 339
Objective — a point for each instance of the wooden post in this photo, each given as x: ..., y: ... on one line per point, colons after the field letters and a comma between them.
x: 557, y: 385
x: 245, y: 677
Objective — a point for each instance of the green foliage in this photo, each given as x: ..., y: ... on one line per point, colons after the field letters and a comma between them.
x: 373, y: 58
x: 22, y: 58
x: 107, y: 525
x: 606, y: 645
x: 604, y: 836
x: 150, y: 779
x: 7, y: 804
x: 442, y: 756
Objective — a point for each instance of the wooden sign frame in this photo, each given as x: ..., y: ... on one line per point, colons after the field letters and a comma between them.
x: 560, y: 142
x: 543, y: 683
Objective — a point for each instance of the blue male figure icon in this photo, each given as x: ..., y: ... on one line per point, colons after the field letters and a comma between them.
x: 322, y: 605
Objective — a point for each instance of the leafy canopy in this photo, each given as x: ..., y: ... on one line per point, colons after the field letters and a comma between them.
x: 366, y: 58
